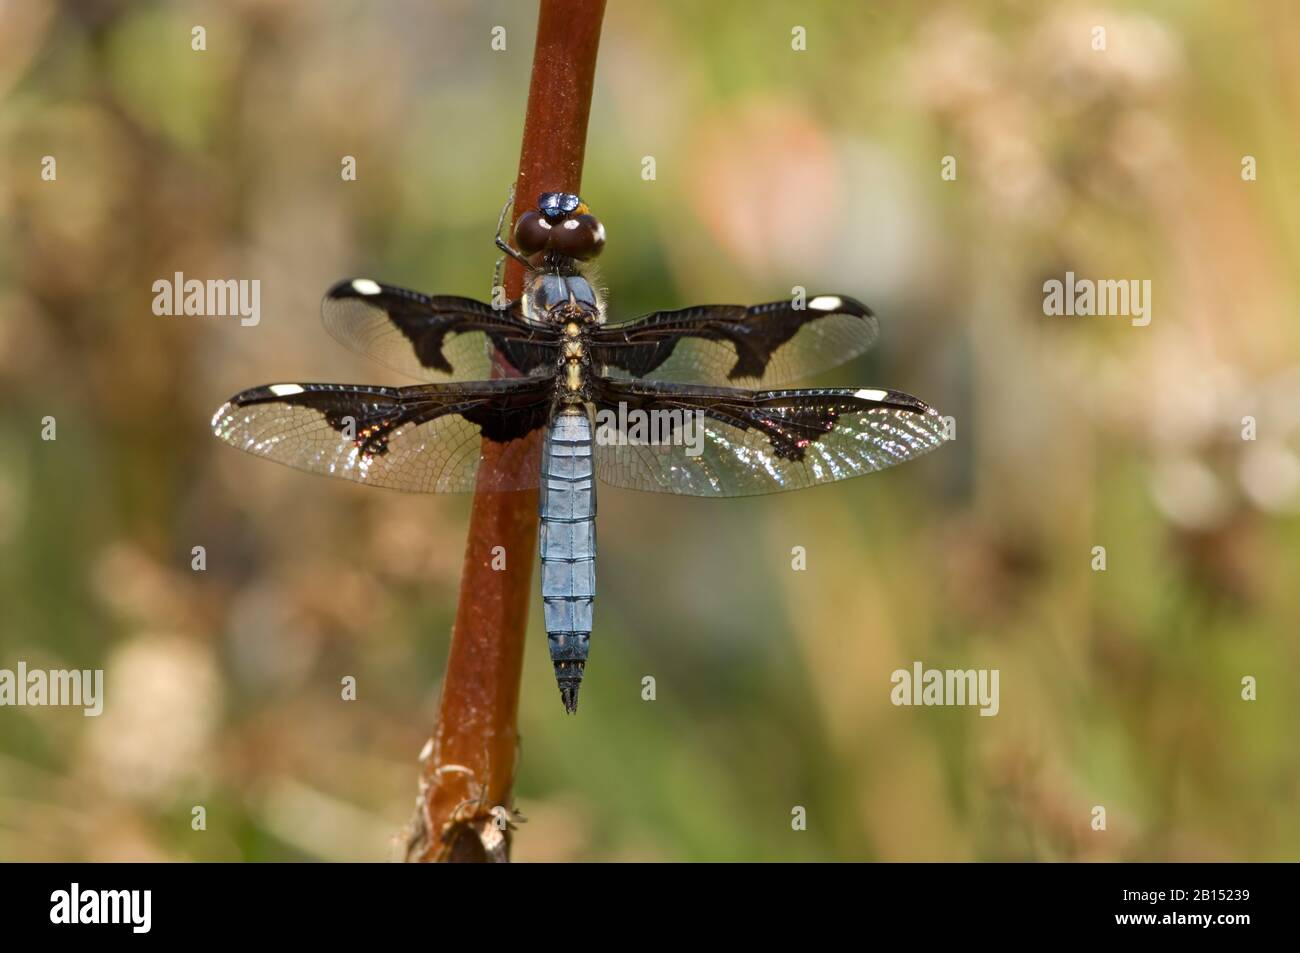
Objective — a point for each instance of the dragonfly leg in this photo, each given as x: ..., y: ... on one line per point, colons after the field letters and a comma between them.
x: 501, y: 242
x: 497, y: 278
x: 505, y: 210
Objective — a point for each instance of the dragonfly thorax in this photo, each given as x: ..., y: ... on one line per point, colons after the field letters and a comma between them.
x: 573, y: 362
x: 561, y: 299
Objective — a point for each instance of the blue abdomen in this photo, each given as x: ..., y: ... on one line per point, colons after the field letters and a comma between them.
x: 568, y: 546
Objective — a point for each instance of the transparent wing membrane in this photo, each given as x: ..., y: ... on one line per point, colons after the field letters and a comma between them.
x: 732, y: 345
x: 422, y: 439
x: 753, y: 442
x: 440, y: 338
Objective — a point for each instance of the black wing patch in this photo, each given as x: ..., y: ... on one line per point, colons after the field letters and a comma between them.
x: 701, y: 441
x: 733, y: 345
x: 434, y: 338
x: 424, y: 439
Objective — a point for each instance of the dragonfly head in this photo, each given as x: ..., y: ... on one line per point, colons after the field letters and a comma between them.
x: 561, y: 224
x: 557, y: 206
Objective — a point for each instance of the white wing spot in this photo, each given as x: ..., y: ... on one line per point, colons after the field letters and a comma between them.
x: 285, y: 390
x: 364, y: 286
x: 870, y: 394
x: 826, y: 303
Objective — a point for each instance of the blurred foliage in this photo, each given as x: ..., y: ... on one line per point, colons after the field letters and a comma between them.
x: 774, y: 168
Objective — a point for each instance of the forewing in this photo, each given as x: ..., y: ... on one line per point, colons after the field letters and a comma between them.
x: 732, y: 345
x: 437, y: 338
x: 423, y: 439
x: 752, y: 442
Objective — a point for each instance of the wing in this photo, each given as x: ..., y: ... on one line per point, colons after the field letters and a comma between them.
x: 424, y: 439
x: 434, y: 338
x: 729, y: 344
x: 730, y: 442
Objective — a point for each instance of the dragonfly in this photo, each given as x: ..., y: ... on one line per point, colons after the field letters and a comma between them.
x: 672, y: 402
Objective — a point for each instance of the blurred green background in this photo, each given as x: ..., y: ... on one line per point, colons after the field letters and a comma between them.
x: 774, y: 168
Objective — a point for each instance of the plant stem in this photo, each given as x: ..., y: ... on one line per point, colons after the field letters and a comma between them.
x: 465, y: 802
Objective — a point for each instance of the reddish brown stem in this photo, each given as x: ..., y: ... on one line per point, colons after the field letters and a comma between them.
x: 468, y: 772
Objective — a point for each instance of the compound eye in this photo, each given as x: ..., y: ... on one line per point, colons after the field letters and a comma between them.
x: 581, y: 237
x: 532, y: 232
